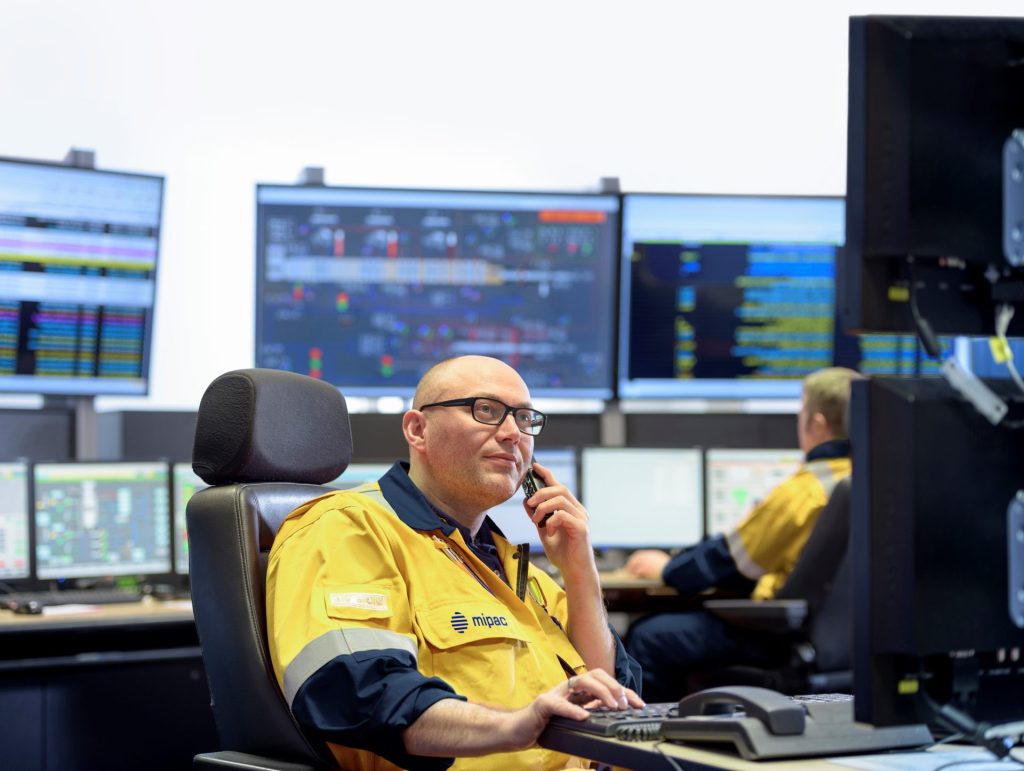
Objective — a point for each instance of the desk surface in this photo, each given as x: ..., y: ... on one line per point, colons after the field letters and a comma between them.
x: 79, y: 635
x: 57, y: 617
x: 654, y: 756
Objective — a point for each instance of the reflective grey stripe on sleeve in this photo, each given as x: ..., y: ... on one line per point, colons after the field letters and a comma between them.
x: 339, y: 642
x: 744, y: 563
x: 824, y: 474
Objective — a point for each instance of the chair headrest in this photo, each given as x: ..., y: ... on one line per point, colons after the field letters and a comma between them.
x: 266, y: 425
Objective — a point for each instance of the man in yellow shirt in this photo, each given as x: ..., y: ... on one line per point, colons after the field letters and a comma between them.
x: 763, y: 548
x: 406, y: 631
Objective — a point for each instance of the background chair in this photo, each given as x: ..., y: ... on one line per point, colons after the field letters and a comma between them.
x: 265, y: 440
x: 812, y: 609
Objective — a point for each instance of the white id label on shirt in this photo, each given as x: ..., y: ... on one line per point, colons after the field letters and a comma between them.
x: 364, y: 600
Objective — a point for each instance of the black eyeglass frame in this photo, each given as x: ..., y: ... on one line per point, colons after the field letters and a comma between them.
x: 470, y: 401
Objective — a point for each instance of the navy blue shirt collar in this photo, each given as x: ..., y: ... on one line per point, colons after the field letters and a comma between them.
x: 834, y: 448
x: 413, y: 508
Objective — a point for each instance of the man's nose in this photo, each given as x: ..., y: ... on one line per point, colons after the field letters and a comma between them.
x: 509, y: 427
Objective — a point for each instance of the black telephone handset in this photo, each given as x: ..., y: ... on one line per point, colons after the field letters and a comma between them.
x: 531, y: 484
x: 780, y: 714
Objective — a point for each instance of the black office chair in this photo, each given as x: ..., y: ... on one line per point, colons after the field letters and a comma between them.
x: 811, y: 610
x: 265, y: 440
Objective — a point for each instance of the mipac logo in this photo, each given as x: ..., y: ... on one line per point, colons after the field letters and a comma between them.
x: 459, y: 623
x: 489, y: 621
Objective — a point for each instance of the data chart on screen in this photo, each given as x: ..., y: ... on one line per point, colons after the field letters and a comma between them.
x: 186, y: 483
x: 737, y: 480
x: 15, y: 515
x: 78, y: 256
x: 368, y: 288
x: 101, y: 519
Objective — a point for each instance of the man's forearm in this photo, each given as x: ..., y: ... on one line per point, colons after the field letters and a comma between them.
x: 454, y: 728
x: 588, y: 622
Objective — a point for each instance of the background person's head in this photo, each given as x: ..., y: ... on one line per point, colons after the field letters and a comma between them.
x: 462, y: 465
x: 824, y: 406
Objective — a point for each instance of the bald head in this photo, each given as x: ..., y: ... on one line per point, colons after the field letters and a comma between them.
x: 462, y: 465
x: 462, y: 376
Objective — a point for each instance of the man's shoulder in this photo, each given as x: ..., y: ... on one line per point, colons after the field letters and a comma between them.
x: 355, y: 503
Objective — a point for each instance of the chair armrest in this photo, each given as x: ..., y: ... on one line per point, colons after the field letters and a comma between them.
x: 243, y: 761
x: 778, y: 616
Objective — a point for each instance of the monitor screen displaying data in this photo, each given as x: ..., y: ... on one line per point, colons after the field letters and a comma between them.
x: 101, y: 519
x: 737, y: 480
x: 367, y: 288
x: 14, y: 521
x: 510, y: 516
x: 186, y: 484
x: 641, y: 497
x: 726, y: 296
x: 78, y: 259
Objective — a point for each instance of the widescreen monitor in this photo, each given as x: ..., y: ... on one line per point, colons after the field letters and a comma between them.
x: 640, y: 497
x: 938, y: 609
x: 78, y: 255
x: 726, y: 296
x: 510, y: 516
x: 185, y: 483
x: 737, y: 480
x: 100, y: 519
x: 933, y: 231
x: 367, y: 288
x: 733, y: 296
x: 15, y: 515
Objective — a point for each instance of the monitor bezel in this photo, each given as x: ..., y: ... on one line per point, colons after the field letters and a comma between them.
x: 605, y: 392
x: 18, y: 581
x: 712, y: 389
x: 96, y: 386
x: 693, y: 451
x: 140, y: 577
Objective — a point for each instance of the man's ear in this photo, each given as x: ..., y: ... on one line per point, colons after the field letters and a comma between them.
x: 820, y: 426
x: 414, y: 426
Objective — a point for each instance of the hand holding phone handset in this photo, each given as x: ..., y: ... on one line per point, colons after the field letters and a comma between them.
x: 530, y: 487
x: 562, y: 522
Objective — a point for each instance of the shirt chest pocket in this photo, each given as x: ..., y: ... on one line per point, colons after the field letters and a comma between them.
x: 452, y: 624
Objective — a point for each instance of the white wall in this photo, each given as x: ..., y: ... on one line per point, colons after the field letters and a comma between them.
x: 716, y: 96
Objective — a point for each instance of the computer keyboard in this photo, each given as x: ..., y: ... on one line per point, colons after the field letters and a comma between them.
x: 631, y: 723
x: 756, y: 723
x: 71, y: 597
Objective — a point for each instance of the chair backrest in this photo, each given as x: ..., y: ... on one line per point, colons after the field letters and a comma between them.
x: 815, y: 570
x: 265, y: 440
x: 822, y: 577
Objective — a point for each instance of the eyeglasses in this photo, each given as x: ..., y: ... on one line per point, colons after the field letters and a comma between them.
x: 491, y: 412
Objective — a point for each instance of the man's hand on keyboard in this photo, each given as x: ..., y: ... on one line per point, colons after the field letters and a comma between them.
x: 569, y: 699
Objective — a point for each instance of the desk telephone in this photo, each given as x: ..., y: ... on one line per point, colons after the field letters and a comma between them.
x: 759, y: 724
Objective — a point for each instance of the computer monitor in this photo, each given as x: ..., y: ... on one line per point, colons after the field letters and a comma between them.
x: 984, y: 363
x: 931, y: 547
x: 932, y: 100
x: 356, y: 474
x: 727, y: 296
x: 14, y: 521
x: 510, y: 516
x: 737, y: 480
x: 94, y: 520
x: 79, y: 258
x: 367, y: 288
x: 184, y: 484
x: 639, y: 497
